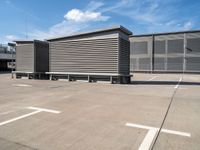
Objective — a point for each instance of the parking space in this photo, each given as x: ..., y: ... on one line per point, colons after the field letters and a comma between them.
x: 99, y: 115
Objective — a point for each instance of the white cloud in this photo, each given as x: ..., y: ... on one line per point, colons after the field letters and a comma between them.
x: 11, y: 37
x: 188, y: 25
x: 94, y: 5
x: 61, y: 29
x: 84, y: 16
x: 75, y: 20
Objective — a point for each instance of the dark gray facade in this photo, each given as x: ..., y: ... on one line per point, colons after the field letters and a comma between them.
x: 101, y: 51
x: 167, y: 52
x: 32, y: 56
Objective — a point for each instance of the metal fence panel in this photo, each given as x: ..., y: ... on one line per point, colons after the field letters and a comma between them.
x: 175, y: 64
x: 139, y: 47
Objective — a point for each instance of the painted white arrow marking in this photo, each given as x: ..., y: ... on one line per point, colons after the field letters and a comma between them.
x: 150, y: 136
x: 37, y: 110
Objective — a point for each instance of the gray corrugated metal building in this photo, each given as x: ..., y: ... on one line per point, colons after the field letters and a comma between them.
x: 99, y: 52
x: 32, y: 57
x: 166, y: 52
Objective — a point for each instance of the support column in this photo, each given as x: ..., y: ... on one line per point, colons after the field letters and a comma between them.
x: 184, y: 55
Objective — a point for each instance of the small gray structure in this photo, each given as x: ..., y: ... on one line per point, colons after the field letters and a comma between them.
x: 32, y: 58
x: 166, y: 52
x: 101, y: 53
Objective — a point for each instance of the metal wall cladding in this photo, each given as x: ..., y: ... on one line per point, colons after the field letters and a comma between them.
x: 25, y: 57
x: 172, y: 52
x: 169, y: 51
x: 41, y: 56
x: 88, y: 56
x: 140, y: 53
x: 192, y: 59
x: 124, y: 56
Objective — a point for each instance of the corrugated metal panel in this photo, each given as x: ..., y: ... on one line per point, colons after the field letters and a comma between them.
x: 25, y: 57
x: 41, y: 56
x: 96, y: 56
x: 124, y: 56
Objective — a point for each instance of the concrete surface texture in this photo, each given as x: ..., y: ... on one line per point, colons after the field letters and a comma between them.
x: 94, y: 116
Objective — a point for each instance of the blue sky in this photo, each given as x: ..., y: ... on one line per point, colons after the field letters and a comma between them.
x: 40, y: 19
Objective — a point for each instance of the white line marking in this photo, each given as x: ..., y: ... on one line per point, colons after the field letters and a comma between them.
x: 176, y: 132
x: 147, y: 142
x: 22, y: 85
x: 138, y: 126
x: 152, y: 78
x: 162, y: 130
x: 38, y: 110
x: 20, y: 117
x: 178, y: 83
x: 151, y: 135
x: 45, y: 110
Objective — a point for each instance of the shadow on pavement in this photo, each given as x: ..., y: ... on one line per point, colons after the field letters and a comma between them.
x: 164, y: 83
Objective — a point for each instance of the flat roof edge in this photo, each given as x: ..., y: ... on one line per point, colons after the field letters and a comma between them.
x: 166, y: 33
x: 123, y: 29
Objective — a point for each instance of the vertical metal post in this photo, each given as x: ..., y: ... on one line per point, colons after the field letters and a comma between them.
x: 12, y: 62
x: 184, y: 57
x: 68, y: 77
x: 111, y: 79
x: 152, y: 58
x: 166, y: 54
x: 50, y: 77
x: 88, y: 78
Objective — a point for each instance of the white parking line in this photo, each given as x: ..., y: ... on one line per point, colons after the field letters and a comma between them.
x: 147, y: 142
x: 22, y: 85
x: 45, y: 110
x: 152, y: 78
x: 181, y: 78
x: 151, y: 135
x: 38, y: 110
x: 20, y: 117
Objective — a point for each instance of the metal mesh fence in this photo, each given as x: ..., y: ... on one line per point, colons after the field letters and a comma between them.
x: 174, y: 52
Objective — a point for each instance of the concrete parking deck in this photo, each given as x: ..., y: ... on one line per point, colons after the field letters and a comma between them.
x: 59, y: 115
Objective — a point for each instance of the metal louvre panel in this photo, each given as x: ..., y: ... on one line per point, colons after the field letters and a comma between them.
x: 145, y: 64
x: 25, y: 57
x: 159, y: 64
x: 96, y: 56
x: 124, y: 56
x: 175, y: 64
x: 193, y: 64
x: 41, y: 56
